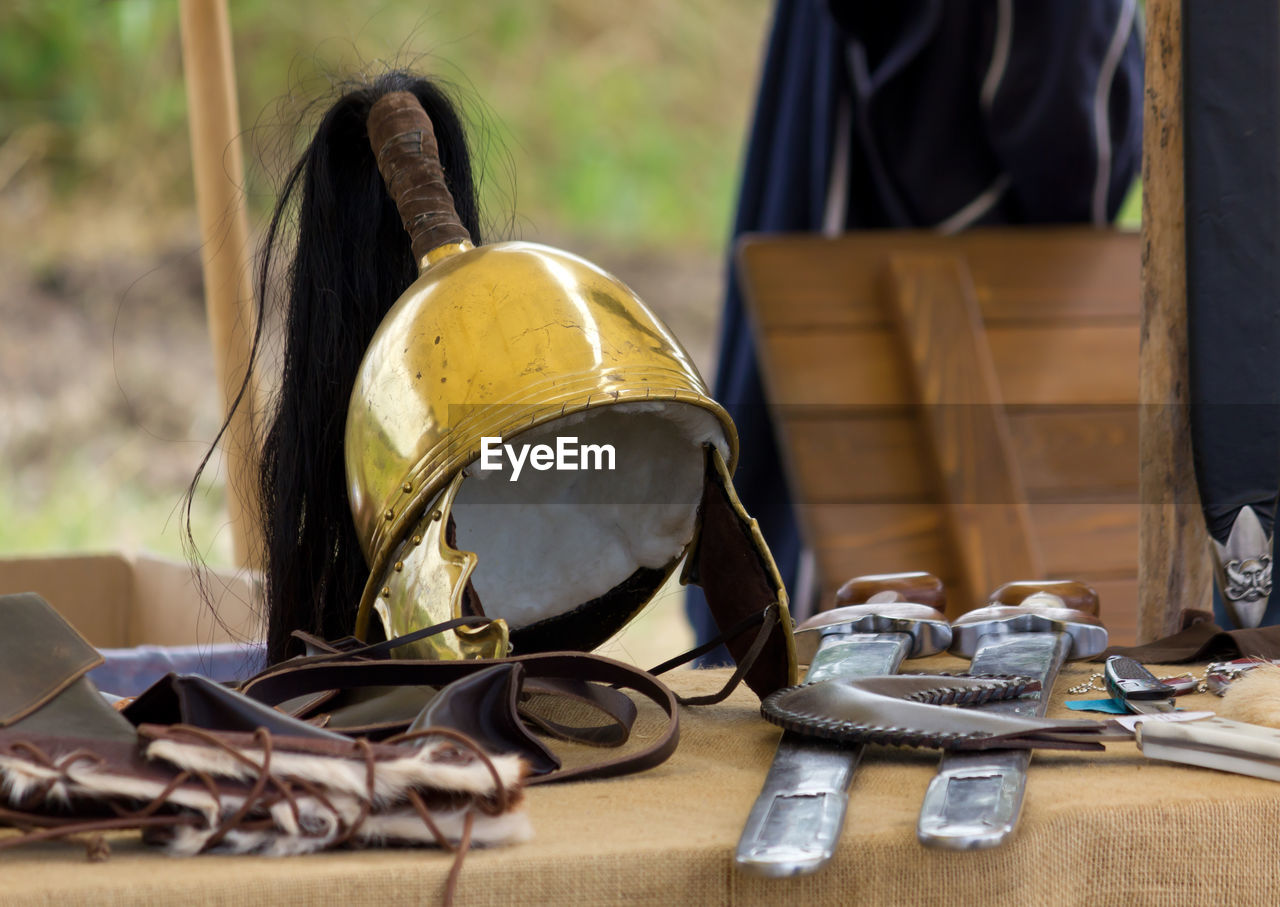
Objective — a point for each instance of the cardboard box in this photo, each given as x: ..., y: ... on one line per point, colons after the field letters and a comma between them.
x: 119, y: 601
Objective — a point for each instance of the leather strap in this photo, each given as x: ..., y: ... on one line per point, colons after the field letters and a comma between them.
x: 574, y: 674
x: 404, y: 144
x: 618, y: 706
x: 768, y: 620
x: 350, y: 647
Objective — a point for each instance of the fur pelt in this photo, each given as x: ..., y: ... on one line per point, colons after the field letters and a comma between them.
x: 312, y: 797
x: 1255, y: 697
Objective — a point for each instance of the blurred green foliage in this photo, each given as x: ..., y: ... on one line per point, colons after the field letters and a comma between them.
x: 1130, y: 214
x: 623, y: 120
x: 83, y: 504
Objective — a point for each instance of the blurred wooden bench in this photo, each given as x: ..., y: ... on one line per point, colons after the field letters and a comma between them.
x: 965, y: 405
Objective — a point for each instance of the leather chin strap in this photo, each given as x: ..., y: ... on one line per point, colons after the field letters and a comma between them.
x: 768, y: 620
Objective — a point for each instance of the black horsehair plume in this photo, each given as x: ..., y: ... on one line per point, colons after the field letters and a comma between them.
x: 351, y: 262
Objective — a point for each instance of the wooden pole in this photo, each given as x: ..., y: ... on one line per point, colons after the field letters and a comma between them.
x: 224, y: 229
x: 1174, y: 571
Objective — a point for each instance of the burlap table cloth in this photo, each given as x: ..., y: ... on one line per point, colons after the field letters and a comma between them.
x: 1111, y: 828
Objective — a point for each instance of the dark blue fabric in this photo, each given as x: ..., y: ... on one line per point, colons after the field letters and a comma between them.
x: 1231, y: 111
x: 923, y: 147
x: 1232, y: 108
x: 127, y: 672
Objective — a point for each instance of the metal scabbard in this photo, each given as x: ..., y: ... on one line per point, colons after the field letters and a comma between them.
x: 974, y: 800
x: 797, y: 819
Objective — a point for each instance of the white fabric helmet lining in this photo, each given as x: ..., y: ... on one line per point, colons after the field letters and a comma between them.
x: 554, y: 539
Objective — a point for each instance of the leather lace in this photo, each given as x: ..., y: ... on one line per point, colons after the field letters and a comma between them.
x: 267, y: 790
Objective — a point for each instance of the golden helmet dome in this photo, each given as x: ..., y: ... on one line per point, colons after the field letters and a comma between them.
x: 492, y: 342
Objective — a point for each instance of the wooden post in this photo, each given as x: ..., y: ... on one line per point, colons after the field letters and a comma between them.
x: 1174, y: 571
x: 224, y: 230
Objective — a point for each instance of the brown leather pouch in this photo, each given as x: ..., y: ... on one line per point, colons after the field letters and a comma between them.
x: 43, y: 661
x: 199, y: 702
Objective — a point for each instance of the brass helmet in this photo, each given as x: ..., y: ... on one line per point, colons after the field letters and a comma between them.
x: 527, y: 442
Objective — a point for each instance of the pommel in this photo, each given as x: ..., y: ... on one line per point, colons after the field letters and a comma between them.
x: 404, y: 146
x: 1069, y: 594
x: 923, y: 588
x: 886, y: 603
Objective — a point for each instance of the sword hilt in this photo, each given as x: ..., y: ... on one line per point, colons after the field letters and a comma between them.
x: 908, y: 603
x: 1042, y: 606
